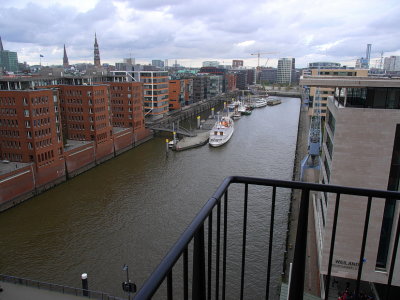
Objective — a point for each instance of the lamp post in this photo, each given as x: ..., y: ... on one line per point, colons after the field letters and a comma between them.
x: 125, y: 268
x: 128, y: 286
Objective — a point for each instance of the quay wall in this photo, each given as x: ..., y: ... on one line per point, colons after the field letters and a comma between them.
x: 17, y: 185
x: 23, y: 183
x: 79, y: 159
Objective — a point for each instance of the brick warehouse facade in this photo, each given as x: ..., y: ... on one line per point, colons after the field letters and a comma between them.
x: 83, y: 114
x: 30, y: 127
x: 86, y: 115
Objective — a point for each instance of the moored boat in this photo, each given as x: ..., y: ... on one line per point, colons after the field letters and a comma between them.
x: 221, y: 132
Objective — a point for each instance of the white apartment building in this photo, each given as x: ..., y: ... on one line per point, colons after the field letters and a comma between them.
x: 284, y: 73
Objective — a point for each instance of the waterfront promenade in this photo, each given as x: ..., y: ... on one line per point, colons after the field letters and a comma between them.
x: 13, y: 291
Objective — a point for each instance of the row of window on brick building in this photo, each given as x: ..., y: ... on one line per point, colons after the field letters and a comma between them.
x: 34, y: 100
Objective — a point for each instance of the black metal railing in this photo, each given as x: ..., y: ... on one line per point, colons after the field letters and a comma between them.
x: 208, y: 284
x: 58, y: 288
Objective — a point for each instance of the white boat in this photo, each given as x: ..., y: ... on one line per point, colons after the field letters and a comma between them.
x: 221, y: 132
x: 260, y: 103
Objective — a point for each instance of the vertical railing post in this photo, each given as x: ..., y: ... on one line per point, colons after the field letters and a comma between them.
x: 271, y: 237
x: 296, y: 289
x: 224, y: 245
x: 199, y: 272
x: 364, y: 241
x: 332, y: 248
x: 393, y: 259
x: 246, y: 192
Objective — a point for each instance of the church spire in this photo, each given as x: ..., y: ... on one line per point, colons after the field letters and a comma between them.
x: 1, y: 45
x: 65, y: 59
x: 96, y: 52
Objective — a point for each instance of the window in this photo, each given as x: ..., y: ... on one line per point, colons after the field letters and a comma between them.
x: 26, y: 113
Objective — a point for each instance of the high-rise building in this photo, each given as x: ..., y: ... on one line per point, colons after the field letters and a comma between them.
x: 96, y: 52
x: 392, y: 64
x: 285, y: 70
x: 65, y: 59
x: 157, y: 63
x: 361, y: 148
x: 8, y: 59
x: 237, y: 63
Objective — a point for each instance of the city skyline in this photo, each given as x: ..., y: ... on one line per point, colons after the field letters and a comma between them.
x: 192, y: 32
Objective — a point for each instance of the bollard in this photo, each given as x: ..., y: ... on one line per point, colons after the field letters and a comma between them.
x: 167, y: 145
x: 174, y: 133
x: 198, y: 122
x: 212, y: 112
x: 85, y: 285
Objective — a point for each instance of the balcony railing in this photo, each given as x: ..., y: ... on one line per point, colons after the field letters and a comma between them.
x: 206, y: 280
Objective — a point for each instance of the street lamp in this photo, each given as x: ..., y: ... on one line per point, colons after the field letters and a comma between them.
x: 127, y: 285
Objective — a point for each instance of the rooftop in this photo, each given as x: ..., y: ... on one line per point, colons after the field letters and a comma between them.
x: 72, y: 144
x: 7, y: 166
x: 342, y: 81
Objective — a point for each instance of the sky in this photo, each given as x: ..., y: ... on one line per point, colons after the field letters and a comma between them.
x: 193, y: 31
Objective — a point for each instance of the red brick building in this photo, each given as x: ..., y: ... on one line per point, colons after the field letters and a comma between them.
x: 30, y: 132
x: 127, y: 104
x: 230, y: 79
x: 86, y: 116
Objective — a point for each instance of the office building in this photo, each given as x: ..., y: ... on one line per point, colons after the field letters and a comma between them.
x: 200, y: 87
x: 237, y: 64
x: 180, y: 93
x: 325, y: 92
x: 212, y: 63
x: 392, y: 64
x: 361, y: 148
x: 284, y: 72
x: 8, y: 59
x: 215, y: 86
x: 268, y: 75
x: 157, y: 63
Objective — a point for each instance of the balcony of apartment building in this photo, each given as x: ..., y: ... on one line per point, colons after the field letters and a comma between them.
x: 216, y: 258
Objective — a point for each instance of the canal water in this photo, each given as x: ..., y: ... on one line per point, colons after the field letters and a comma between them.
x: 131, y: 209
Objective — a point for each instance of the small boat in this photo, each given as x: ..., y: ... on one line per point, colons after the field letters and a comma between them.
x: 221, y: 132
x: 236, y: 116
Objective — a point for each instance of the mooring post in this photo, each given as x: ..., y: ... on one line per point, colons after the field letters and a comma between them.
x: 85, y: 285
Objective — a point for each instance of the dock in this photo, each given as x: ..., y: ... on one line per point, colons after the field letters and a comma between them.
x: 201, y: 137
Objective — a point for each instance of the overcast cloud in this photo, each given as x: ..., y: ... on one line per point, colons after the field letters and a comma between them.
x: 192, y: 31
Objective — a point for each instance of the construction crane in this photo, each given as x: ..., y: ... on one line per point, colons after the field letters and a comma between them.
x: 259, y: 54
x: 312, y: 160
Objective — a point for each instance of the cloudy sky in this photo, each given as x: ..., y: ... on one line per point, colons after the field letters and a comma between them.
x: 192, y: 31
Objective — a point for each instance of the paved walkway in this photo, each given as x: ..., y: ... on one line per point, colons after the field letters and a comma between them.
x: 13, y: 291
